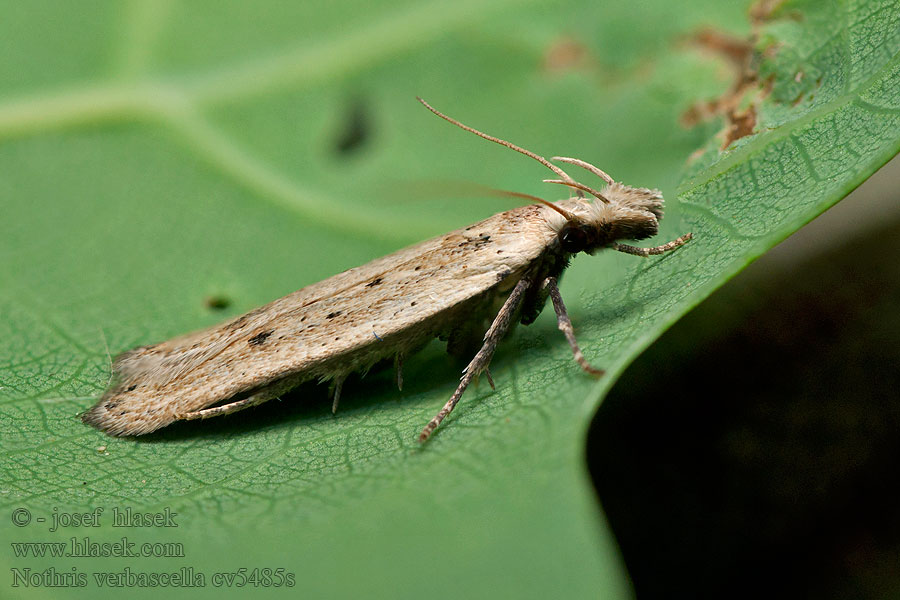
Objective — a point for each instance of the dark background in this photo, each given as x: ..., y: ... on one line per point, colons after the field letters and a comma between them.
x: 754, y: 450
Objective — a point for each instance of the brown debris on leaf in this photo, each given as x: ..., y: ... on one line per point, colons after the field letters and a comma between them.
x: 739, y: 54
x: 565, y: 54
x: 738, y: 105
x: 762, y: 10
x: 738, y: 51
x: 740, y: 119
x: 740, y: 124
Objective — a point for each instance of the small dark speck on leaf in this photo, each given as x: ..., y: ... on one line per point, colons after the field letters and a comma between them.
x: 217, y: 302
x: 355, y: 130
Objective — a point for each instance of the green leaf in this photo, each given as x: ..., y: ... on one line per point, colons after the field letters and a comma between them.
x: 160, y: 159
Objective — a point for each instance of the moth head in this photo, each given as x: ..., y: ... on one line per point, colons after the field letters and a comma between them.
x: 620, y: 212
x: 623, y: 213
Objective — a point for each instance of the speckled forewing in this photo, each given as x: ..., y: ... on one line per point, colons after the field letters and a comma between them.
x: 360, y: 315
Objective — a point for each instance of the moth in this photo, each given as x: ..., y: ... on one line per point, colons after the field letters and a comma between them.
x: 487, y: 276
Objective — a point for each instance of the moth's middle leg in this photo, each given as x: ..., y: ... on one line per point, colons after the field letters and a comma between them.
x: 565, y: 325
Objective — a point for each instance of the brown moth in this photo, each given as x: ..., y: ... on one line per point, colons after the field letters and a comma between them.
x: 499, y: 271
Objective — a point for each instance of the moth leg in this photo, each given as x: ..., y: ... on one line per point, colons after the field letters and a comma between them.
x: 398, y: 366
x: 656, y: 249
x: 565, y: 325
x: 487, y: 373
x: 336, y: 392
x: 226, y: 409
x: 490, y: 380
x: 483, y: 358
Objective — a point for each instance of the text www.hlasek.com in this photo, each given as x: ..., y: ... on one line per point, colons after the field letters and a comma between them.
x: 85, y: 548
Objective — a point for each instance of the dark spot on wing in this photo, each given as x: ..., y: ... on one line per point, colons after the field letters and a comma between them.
x: 374, y: 282
x: 334, y: 314
x: 476, y: 243
x: 131, y: 388
x: 242, y: 320
x: 260, y: 338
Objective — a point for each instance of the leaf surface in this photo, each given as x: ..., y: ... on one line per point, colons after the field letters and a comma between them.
x: 161, y: 159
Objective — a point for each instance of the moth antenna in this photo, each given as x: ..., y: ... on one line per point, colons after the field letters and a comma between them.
x: 569, y: 216
x: 586, y: 165
x: 497, y: 140
x: 477, y: 188
x: 580, y: 186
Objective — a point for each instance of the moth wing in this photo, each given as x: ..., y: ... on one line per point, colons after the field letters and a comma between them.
x: 341, y: 324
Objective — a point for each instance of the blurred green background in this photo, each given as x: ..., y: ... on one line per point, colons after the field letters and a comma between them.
x: 165, y: 165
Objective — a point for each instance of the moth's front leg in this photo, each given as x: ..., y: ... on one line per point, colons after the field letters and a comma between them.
x: 482, y: 359
x: 645, y: 252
